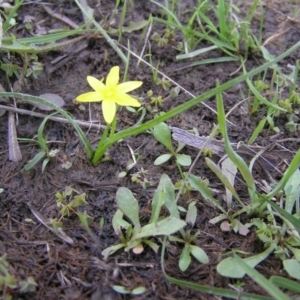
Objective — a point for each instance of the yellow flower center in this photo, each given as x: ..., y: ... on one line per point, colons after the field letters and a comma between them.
x: 109, y: 93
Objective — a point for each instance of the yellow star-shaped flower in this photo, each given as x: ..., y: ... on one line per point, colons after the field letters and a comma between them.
x: 111, y: 93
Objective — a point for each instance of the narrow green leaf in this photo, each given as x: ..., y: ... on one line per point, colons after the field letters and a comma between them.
x: 257, y: 131
x: 34, y: 161
x: 222, y: 177
x: 170, y: 199
x: 157, y: 202
x: 197, y: 184
x: 285, y: 214
x: 292, y: 191
x: 211, y: 290
x: 79, y: 131
x: 185, y: 258
x: 261, y: 280
x: 286, y: 283
x: 235, y: 158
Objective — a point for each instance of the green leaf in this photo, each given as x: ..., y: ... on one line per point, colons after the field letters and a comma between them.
x: 110, y: 250
x: 235, y: 158
x: 138, y: 291
x: 225, y: 178
x: 184, y: 160
x: 185, y: 258
x: 292, y: 266
x: 191, y: 214
x: 261, y: 280
x: 292, y: 191
x: 285, y: 214
x: 230, y: 268
x: 34, y: 161
x: 199, y: 254
x: 128, y: 205
x: 166, y: 226
x: 45, y: 163
x: 170, y: 199
x: 121, y: 289
x: 162, y: 159
x: 201, y: 187
x: 163, y: 134
x: 286, y: 283
x: 158, y: 201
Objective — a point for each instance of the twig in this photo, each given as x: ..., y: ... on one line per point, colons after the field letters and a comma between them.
x: 57, y: 119
x: 60, y: 17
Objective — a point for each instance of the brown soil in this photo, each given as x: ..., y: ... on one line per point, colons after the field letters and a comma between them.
x: 77, y: 271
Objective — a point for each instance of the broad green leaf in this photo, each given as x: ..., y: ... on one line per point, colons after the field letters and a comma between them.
x: 128, y: 205
x: 166, y: 226
x: 198, y: 184
x: 199, y: 254
x: 261, y: 280
x: 230, y: 268
x: 163, y: 134
x: 184, y: 160
x: 162, y: 159
x: 292, y: 191
x: 185, y: 258
x: 292, y: 266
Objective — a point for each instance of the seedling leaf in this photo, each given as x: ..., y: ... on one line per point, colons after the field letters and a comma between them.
x: 162, y: 159
x: 185, y: 258
x: 166, y: 226
x: 292, y: 266
x: 229, y: 267
x: 163, y: 134
x: 199, y: 254
x: 128, y: 205
x: 184, y: 160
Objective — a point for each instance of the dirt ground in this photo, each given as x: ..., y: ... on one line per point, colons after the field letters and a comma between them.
x: 64, y: 271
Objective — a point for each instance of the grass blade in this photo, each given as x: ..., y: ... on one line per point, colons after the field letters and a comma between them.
x: 79, y: 131
x: 262, y: 281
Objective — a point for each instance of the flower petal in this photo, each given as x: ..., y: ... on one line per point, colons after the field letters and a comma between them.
x: 113, y: 77
x: 126, y: 100
x: 96, y: 84
x: 109, y: 111
x: 89, y: 97
x: 128, y: 86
